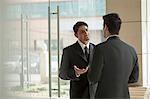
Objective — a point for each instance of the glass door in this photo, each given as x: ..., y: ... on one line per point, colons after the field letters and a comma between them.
x: 63, y: 14
x: 35, y: 49
x: 44, y: 28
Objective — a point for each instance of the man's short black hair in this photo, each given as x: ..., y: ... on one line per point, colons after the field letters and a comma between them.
x: 77, y: 25
x: 113, y: 23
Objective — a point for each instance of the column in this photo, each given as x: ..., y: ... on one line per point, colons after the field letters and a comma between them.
x: 146, y: 42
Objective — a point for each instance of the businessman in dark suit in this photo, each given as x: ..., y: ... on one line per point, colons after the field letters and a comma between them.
x: 115, y: 63
x: 75, y: 62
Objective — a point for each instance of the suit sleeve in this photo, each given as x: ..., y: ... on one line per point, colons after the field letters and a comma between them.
x: 135, y: 72
x: 66, y: 72
x: 96, y: 67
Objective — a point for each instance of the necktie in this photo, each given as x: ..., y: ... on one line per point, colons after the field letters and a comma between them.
x: 86, y: 53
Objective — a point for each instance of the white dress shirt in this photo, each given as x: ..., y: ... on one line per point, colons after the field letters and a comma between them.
x: 83, y: 45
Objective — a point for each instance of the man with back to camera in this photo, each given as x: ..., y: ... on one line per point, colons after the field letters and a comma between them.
x: 115, y: 63
x: 75, y: 61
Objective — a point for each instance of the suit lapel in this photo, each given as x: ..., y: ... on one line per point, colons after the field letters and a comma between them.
x: 91, y: 53
x: 79, y: 51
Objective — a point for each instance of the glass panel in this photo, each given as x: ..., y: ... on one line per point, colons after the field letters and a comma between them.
x: 72, y: 11
x: 29, y: 50
x: 36, y: 74
x: 12, y: 52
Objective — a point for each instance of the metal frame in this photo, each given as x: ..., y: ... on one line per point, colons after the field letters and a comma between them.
x: 22, y: 66
x: 49, y: 47
x: 58, y: 46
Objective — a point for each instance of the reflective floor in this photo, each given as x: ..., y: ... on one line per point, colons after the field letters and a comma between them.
x: 135, y: 93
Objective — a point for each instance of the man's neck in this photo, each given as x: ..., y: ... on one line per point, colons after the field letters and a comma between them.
x: 83, y: 45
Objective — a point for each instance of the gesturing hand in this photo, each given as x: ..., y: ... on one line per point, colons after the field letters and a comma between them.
x: 79, y: 71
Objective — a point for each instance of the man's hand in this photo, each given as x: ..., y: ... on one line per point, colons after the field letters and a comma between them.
x: 79, y: 71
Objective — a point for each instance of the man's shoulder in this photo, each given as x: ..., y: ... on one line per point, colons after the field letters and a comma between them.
x: 70, y: 46
x: 101, y: 44
x: 92, y: 44
x: 128, y: 45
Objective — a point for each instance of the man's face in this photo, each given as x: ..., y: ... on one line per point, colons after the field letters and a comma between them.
x: 82, y: 34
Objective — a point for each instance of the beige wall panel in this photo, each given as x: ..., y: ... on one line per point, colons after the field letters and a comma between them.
x: 131, y: 34
x: 131, y: 30
x: 129, y: 10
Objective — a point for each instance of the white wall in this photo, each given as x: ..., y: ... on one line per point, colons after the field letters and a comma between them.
x: 0, y: 50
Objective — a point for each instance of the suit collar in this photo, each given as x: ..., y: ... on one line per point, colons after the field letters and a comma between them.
x: 80, y: 52
x: 91, y: 53
x: 112, y: 37
x: 83, y: 45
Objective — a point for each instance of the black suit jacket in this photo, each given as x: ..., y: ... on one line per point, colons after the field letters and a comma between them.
x: 114, y: 65
x: 74, y: 55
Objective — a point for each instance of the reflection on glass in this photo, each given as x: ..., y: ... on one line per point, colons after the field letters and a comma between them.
x: 35, y: 44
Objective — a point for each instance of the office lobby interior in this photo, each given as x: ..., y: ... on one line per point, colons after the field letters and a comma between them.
x: 33, y: 34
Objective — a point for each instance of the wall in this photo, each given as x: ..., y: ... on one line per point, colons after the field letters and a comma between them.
x: 1, y: 48
x: 130, y: 13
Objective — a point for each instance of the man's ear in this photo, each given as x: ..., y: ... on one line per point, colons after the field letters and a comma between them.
x: 75, y: 34
x: 105, y: 27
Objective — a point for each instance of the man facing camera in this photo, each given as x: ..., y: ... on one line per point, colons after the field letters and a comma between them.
x: 115, y: 63
x: 75, y: 61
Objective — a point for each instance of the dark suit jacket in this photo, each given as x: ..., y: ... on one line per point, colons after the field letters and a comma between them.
x: 114, y: 65
x: 74, y: 55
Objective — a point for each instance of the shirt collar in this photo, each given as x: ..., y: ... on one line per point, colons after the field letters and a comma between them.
x: 83, y: 45
x: 111, y: 36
